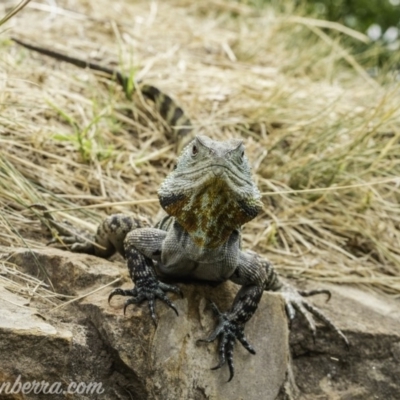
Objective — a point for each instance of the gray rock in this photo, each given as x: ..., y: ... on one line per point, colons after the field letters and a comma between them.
x: 92, y: 341
x: 68, y: 272
x: 139, y: 361
x: 370, y: 369
x: 173, y: 365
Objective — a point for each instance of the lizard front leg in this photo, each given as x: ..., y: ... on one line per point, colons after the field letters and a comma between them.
x: 250, y: 274
x: 141, y: 246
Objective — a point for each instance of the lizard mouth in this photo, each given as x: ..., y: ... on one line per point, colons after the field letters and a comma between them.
x: 204, y: 174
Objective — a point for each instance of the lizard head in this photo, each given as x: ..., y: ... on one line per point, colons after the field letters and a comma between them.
x: 211, y: 192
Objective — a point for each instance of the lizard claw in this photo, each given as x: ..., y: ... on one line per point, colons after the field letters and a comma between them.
x: 308, y: 293
x: 139, y: 299
x: 171, y: 288
x: 148, y: 289
x: 295, y: 302
x: 229, y: 331
x: 122, y: 292
x: 317, y: 313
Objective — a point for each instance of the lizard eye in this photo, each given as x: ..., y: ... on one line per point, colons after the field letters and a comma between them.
x: 194, y: 150
x: 241, y: 156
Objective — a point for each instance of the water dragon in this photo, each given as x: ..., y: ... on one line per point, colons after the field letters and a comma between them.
x: 207, y: 199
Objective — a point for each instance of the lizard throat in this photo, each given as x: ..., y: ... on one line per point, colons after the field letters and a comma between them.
x: 211, y: 213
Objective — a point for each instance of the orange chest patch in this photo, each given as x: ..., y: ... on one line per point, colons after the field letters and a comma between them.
x: 211, y: 214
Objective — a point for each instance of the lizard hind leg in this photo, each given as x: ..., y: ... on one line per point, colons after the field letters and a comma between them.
x: 109, y: 237
x: 65, y: 235
x: 294, y: 301
x: 112, y: 232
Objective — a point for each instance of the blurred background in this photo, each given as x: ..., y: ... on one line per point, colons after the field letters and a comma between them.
x: 378, y: 19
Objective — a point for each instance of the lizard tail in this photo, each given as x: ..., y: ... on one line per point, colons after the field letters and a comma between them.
x: 169, y: 110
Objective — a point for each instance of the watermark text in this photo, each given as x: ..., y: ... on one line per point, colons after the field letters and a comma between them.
x: 43, y: 387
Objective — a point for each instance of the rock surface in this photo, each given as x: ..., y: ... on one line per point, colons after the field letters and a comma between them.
x: 132, y: 358
x: 91, y: 341
x: 370, y: 369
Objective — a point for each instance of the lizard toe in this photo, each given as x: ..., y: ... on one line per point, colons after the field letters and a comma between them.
x: 308, y: 293
x: 171, y: 288
x: 322, y: 317
x: 140, y: 298
x: 228, y: 331
x: 148, y: 289
x: 162, y: 296
x: 122, y: 292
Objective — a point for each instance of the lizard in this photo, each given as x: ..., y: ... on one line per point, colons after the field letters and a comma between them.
x: 207, y: 199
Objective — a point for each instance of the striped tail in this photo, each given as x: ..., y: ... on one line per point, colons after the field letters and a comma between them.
x: 171, y: 112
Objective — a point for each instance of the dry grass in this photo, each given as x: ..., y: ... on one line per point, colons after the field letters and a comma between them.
x: 310, y: 115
